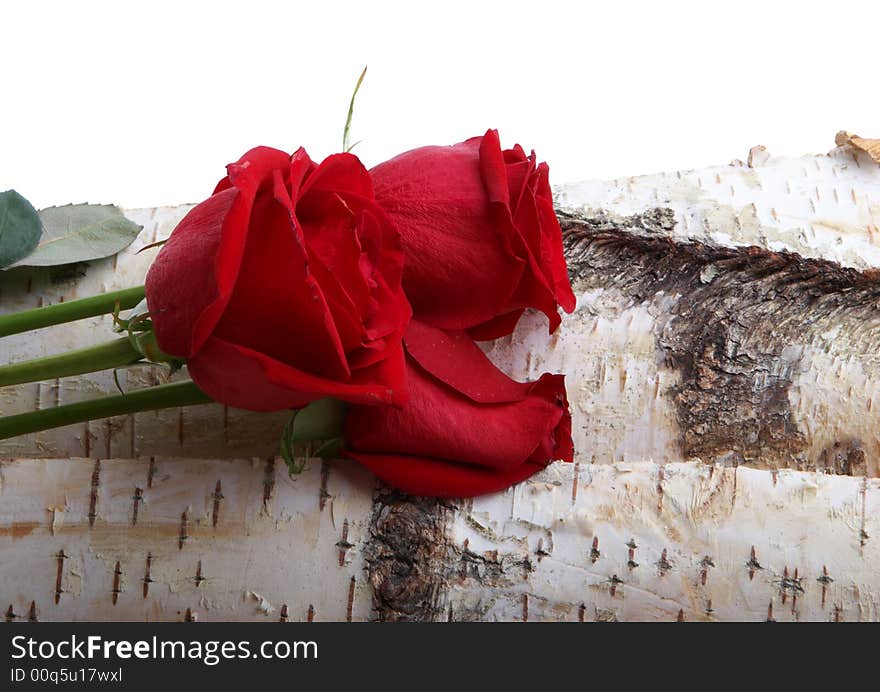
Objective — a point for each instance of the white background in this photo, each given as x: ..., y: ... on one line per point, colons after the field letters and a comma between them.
x: 144, y: 103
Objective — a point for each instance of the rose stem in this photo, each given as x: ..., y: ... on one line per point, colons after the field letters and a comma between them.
x: 70, y: 311
x: 114, y: 354
x: 149, y: 399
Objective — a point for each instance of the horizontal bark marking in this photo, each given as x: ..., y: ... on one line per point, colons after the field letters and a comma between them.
x: 733, y: 321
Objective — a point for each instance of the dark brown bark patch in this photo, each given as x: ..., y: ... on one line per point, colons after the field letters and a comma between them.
x: 412, y: 562
x: 844, y: 458
x: 406, y: 556
x: 733, y: 322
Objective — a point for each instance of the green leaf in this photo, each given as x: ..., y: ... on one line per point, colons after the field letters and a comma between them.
x: 20, y: 228
x: 80, y: 233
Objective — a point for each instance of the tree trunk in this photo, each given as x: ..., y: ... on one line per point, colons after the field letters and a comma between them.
x: 723, y: 368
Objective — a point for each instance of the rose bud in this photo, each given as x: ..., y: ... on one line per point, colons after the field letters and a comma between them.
x: 480, y: 236
x: 467, y: 428
x: 285, y: 286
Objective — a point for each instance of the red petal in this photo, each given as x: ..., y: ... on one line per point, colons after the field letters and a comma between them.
x: 436, y: 478
x: 246, y: 175
x: 445, y: 442
x: 340, y: 172
x: 253, y: 167
x: 552, y: 256
x: 459, y: 271
x: 440, y: 423
x: 269, y: 318
x: 494, y: 169
x: 454, y: 359
x: 495, y: 329
x: 181, y: 284
x: 277, y: 306
x: 243, y: 378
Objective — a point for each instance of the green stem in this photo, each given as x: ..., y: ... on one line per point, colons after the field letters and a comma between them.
x: 114, y: 354
x: 149, y: 399
x: 345, y: 146
x: 70, y: 311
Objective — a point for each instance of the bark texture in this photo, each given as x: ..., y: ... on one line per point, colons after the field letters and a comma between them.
x: 406, y: 556
x: 735, y: 324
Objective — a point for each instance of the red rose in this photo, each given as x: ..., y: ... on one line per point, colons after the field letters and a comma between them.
x: 467, y: 428
x: 285, y: 286
x: 481, y: 239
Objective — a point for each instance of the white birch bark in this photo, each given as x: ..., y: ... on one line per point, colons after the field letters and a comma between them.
x: 715, y: 402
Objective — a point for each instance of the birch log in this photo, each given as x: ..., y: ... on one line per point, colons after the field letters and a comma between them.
x: 724, y: 374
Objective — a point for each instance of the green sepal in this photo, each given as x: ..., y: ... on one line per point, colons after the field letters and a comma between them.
x: 313, y: 432
x: 140, y: 332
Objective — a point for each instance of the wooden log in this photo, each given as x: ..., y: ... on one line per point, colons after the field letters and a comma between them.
x: 141, y: 539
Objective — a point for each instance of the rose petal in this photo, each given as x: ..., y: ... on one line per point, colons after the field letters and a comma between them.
x: 244, y: 378
x: 453, y: 358
x: 438, y: 422
x: 246, y: 175
x: 277, y: 306
x: 253, y: 167
x: 181, y: 283
x: 458, y: 271
x: 438, y: 478
x: 496, y: 328
x: 552, y: 256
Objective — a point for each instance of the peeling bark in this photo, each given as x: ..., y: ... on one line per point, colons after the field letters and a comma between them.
x: 734, y: 322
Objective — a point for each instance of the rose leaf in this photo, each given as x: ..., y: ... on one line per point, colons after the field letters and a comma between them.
x: 80, y: 233
x: 20, y: 228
